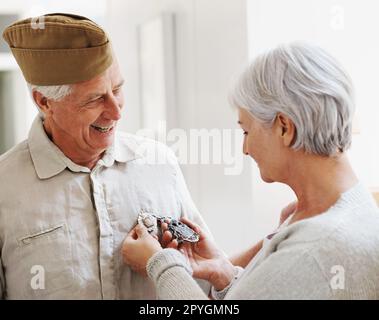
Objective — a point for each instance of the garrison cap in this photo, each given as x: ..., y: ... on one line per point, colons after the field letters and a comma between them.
x: 59, y: 48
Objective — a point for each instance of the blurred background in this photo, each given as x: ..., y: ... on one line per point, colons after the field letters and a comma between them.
x: 179, y: 57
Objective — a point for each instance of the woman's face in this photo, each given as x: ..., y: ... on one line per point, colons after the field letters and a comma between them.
x: 264, y: 145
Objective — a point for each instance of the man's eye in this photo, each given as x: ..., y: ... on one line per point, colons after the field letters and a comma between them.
x: 245, y: 133
x: 95, y: 100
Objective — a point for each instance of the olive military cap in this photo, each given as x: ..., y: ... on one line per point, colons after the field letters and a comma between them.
x: 59, y: 48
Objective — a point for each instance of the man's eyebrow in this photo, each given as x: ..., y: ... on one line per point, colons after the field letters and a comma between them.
x: 94, y: 95
x: 119, y: 84
x: 100, y: 94
x: 239, y: 122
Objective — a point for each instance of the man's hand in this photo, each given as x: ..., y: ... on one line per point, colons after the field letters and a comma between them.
x: 138, y: 247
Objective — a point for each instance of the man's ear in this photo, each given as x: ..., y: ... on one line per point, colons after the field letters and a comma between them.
x: 286, y: 129
x: 42, y: 102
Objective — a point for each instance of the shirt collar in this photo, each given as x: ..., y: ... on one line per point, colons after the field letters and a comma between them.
x: 124, y: 149
x: 49, y: 160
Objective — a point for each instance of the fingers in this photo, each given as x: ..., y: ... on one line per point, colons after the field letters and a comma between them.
x: 138, y: 231
x: 164, y: 226
x: 141, y: 230
x: 132, y: 235
x: 166, y: 238
x: 193, y: 226
x: 173, y: 244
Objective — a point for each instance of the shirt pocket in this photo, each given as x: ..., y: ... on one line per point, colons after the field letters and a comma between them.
x: 46, y: 263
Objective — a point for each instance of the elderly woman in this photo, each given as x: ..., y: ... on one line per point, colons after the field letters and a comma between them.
x: 295, y: 107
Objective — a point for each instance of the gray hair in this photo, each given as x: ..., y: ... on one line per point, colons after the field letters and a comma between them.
x: 55, y: 93
x: 306, y: 84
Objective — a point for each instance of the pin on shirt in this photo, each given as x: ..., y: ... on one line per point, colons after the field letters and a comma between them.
x: 180, y: 231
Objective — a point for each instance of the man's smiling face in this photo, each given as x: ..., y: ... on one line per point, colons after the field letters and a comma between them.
x: 85, y: 120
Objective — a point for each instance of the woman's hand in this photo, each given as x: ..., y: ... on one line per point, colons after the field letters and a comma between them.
x: 207, y: 261
x: 138, y: 247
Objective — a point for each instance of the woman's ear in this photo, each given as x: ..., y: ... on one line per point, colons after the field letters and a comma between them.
x: 286, y: 129
x: 42, y: 102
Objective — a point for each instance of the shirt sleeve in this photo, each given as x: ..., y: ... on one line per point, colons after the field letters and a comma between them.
x: 290, y: 274
x: 280, y: 276
x: 172, y: 276
x: 220, y: 295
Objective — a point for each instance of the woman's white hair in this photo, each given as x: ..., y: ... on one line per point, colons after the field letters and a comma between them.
x: 55, y: 93
x: 306, y: 84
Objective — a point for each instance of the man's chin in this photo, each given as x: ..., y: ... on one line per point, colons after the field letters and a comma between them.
x: 103, y: 143
x: 108, y: 142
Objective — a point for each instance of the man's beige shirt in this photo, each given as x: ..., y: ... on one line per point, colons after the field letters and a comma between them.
x: 62, y: 225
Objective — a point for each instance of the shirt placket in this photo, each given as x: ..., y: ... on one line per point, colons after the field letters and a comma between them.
x: 106, y: 239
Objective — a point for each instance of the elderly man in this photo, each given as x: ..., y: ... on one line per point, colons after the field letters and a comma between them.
x: 75, y: 187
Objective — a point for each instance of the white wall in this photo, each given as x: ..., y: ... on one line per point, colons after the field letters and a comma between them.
x: 211, y: 46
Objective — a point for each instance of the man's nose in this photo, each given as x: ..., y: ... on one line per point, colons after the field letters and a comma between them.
x: 113, y: 109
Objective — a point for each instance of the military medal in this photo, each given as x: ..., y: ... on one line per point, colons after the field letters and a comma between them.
x: 180, y: 231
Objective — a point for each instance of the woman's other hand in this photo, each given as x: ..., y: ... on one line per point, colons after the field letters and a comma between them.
x: 207, y: 261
